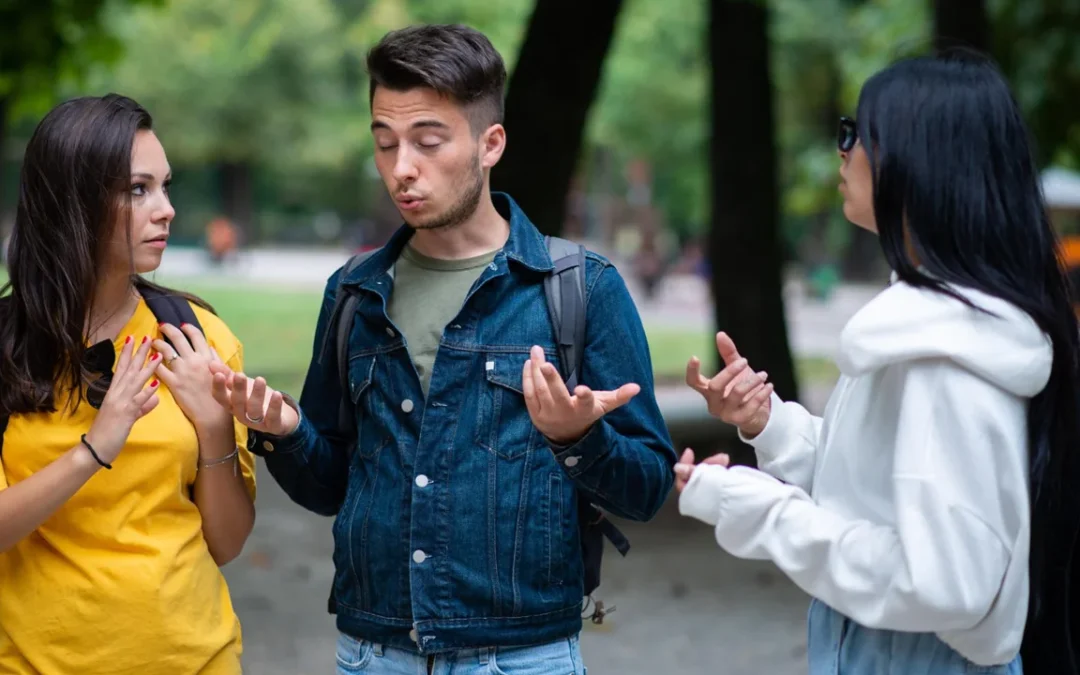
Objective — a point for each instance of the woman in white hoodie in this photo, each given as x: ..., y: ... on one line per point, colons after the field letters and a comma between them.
x: 945, y: 454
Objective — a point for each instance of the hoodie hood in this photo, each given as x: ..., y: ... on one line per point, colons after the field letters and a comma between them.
x: 904, y: 323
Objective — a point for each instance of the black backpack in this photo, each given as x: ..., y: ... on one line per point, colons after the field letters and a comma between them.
x: 166, y: 307
x: 564, y: 289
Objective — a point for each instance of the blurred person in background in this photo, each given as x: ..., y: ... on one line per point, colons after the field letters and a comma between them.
x: 123, y: 484
x: 931, y: 513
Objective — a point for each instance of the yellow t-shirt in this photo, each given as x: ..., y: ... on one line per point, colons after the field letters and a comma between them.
x: 120, y: 580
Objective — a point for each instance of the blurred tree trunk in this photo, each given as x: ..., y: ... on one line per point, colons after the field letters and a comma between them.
x: 961, y: 23
x: 744, y: 247
x: 547, y: 104
x: 4, y: 103
x: 237, y: 196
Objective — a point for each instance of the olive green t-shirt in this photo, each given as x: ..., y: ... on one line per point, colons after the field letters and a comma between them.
x: 427, y: 294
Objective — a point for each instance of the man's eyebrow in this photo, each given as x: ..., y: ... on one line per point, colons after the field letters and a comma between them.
x: 419, y: 124
x: 436, y: 124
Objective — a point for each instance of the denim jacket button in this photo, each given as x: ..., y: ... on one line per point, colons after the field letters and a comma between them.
x: 414, y: 636
x: 419, y: 556
x: 390, y: 331
x: 268, y: 446
x: 422, y: 481
x: 572, y: 461
x: 407, y: 405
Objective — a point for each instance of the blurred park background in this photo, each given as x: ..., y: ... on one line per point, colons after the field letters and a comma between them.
x: 692, y: 141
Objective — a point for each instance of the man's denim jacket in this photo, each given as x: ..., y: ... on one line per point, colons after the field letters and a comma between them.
x: 455, y: 520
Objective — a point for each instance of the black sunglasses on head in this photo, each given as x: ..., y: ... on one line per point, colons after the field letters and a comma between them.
x: 847, y: 134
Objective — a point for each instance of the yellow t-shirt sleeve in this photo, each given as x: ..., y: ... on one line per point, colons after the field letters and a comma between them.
x: 3, y: 474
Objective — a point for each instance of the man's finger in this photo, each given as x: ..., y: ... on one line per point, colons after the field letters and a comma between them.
x: 256, y: 406
x: 694, y: 379
x: 585, y: 397
x: 555, y: 384
x: 220, y: 390
x: 687, y: 456
x: 528, y: 388
x: 610, y: 400
x: 272, y: 416
x: 543, y: 393
x: 626, y: 392
x: 720, y: 459
x: 726, y: 347
x: 240, y: 388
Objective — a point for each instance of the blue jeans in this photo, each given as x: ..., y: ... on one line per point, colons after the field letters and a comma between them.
x: 563, y: 657
x: 839, y: 646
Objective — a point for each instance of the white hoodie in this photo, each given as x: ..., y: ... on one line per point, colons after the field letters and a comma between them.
x: 906, y: 507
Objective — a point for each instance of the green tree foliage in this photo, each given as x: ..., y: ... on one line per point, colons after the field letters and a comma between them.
x: 1037, y: 43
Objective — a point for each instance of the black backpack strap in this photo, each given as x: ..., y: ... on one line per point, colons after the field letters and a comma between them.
x: 3, y: 428
x: 169, y: 307
x: 564, y: 289
x: 338, y: 329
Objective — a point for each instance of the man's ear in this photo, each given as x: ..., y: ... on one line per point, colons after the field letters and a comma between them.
x: 492, y: 145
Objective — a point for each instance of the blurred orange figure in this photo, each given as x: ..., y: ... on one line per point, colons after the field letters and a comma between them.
x: 220, y: 238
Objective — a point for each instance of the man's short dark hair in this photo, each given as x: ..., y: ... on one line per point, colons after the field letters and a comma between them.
x: 454, y: 60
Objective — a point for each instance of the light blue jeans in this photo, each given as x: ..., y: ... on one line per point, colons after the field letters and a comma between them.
x: 839, y: 646
x: 356, y: 657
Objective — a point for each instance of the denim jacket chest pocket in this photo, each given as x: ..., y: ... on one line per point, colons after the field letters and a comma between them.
x: 503, y: 425
x: 370, y: 438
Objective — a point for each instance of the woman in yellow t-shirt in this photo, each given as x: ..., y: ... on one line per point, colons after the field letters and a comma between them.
x: 123, y: 486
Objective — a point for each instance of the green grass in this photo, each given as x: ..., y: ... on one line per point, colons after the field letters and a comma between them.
x: 277, y: 327
x: 671, y: 349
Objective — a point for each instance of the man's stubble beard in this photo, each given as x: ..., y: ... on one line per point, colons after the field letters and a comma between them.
x: 464, y: 207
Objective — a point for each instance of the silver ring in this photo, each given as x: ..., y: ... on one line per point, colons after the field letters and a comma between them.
x: 168, y: 362
x: 254, y: 420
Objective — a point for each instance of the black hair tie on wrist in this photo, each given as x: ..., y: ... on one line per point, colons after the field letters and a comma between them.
x: 94, y: 452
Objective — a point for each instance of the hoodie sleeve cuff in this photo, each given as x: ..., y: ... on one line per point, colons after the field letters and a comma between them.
x: 703, y: 496
x: 773, y: 433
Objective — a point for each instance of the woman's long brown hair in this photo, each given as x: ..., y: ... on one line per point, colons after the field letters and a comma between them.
x: 74, y: 189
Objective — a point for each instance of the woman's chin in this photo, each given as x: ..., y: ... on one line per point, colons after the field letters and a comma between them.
x: 145, y: 264
x: 859, y: 220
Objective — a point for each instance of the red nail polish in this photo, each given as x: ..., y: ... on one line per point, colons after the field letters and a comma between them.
x: 155, y: 357
x: 184, y: 325
x: 154, y: 383
x: 127, y: 340
x: 144, y: 340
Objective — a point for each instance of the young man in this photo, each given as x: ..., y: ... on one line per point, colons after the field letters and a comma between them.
x: 455, y: 482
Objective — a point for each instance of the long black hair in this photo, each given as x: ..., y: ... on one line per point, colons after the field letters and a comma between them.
x: 74, y: 189
x: 955, y: 181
